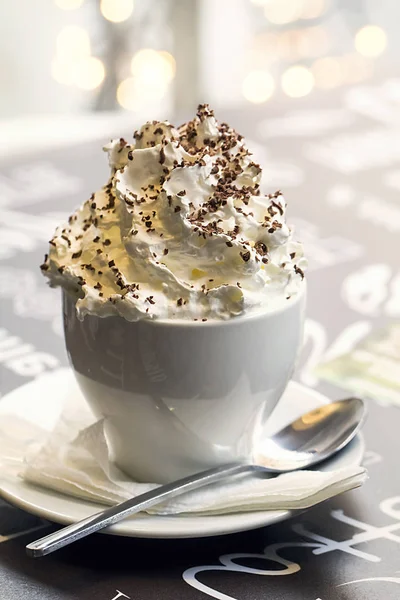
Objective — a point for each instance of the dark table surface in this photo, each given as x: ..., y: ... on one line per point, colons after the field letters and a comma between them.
x: 337, y: 160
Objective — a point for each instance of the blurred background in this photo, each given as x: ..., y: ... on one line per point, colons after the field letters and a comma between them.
x: 155, y: 57
x: 313, y: 85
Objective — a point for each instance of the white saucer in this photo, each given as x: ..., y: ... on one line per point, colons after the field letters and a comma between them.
x: 40, y: 402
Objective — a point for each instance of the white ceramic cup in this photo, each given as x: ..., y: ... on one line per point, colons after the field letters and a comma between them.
x: 177, y: 396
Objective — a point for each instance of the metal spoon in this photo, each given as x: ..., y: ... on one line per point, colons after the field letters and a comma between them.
x: 307, y: 441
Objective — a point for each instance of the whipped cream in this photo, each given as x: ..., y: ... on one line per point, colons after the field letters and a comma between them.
x: 180, y: 231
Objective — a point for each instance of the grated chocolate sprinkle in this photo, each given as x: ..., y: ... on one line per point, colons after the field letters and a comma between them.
x: 261, y: 248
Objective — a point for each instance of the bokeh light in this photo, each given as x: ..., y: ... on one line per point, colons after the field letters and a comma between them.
x: 169, y: 62
x: 133, y: 94
x: 327, y: 72
x: 152, y: 72
x: 356, y: 68
x: 391, y: 89
x: 281, y: 12
x: 297, y: 81
x: 116, y: 11
x: 312, y: 9
x: 89, y: 73
x: 287, y: 44
x: 73, y: 63
x: 73, y: 43
x: 153, y: 68
x: 62, y: 72
x: 258, y: 86
x: 264, y: 49
x: 314, y: 41
x: 69, y: 4
x: 370, y: 41
x: 127, y: 94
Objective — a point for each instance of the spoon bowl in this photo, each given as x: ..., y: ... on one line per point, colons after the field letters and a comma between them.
x: 312, y: 438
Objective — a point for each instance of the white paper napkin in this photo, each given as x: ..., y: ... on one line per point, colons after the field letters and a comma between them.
x: 73, y: 460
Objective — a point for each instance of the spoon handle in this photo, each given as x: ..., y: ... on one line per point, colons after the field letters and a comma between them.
x: 72, y: 533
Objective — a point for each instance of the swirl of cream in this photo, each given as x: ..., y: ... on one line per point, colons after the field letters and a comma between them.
x: 180, y: 231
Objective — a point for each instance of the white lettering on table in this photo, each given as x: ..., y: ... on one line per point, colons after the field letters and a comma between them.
x: 305, y: 123
x: 23, y: 359
x: 325, y: 251
x: 31, y: 183
x: 351, y: 153
x: 383, y: 579
x: 369, y: 532
x: 392, y: 179
x: 275, y: 173
x: 373, y: 290
x: 392, y: 307
x: 341, y: 195
x: 120, y: 595
x: 271, y: 553
x: 320, y: 545
x: 376, y: 102
x: 7, y: 538
x: 371, y: 458
x: 316, y: 349
x: 366, y: 289
x: 24, y: 232
x: 379, y: 212
x: 30, y: 297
